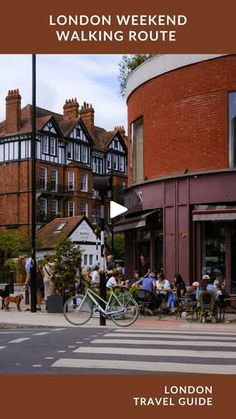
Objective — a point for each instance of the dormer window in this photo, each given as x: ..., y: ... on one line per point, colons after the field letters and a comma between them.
x: 60, y: 227
x: 116, y: 144
x: 49, y: 145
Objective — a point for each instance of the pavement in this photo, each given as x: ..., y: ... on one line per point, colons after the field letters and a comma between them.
x: 26, y: 319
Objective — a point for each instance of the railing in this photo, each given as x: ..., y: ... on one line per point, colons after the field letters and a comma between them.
x: 52, y: 187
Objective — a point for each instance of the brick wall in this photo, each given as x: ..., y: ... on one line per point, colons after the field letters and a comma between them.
x: 185, y: 118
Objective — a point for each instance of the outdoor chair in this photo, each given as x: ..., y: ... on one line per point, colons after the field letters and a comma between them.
x: 188, y: 306
x: 147, y: 301
x: 207, y: 306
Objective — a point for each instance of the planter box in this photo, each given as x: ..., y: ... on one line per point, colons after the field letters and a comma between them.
x: 55, y: 304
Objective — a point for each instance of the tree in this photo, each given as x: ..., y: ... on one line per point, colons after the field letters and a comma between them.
x: 65, y: 261
x: 128, y: 64
x: 119, y: 245
x: 11, y: 244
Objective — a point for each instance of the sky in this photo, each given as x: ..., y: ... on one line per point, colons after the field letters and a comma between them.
x: 89, y: 78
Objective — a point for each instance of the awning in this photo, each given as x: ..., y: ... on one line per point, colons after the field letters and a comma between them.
x: 132, y: 222
x: 214, y: 213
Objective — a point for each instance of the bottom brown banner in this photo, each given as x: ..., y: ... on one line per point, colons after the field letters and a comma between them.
x: 117, y: 396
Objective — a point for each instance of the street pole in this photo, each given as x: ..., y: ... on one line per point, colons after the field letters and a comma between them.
x: 33, y: 271
x: 102, y: 284
x: 112, y: 226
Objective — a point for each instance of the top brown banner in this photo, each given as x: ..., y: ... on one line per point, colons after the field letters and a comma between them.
x: 162, y: 26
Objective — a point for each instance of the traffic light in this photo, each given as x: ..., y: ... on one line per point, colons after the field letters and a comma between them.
x: 102, y: 184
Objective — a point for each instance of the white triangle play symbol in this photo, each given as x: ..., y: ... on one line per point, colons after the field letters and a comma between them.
x: 116, y: 209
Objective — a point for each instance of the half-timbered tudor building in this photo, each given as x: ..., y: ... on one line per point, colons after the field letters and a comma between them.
x: 70, y: 149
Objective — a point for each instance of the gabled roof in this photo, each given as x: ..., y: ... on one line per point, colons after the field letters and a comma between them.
x: 50, y: 235
x: 63, y: 125
x: 103, y: 138
x: 98, y: 137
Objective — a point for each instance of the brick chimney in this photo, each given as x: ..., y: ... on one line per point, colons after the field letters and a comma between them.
x: 121, y: 129
x: 71, y: 109
x: 87, y: 114
x: 13, y: 111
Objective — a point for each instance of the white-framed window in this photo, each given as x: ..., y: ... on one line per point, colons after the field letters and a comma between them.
x: 121, y: 163
x: 52, y: 146
x: 90, y: 260
x: 43, y: 178
x: 54, y: 180
x: 71, y: 208
x: 43, y: 208
x: 85, y: 260
x: 136, y: 150
x: 96, y: 216
x: 108, y: 161
x: 84, y: 208
x: 115, y: 162
x: 97, y: 165
x: 70, y: 151
x: 54, y: 207
x: 84, y: 153
x: 71, y: 181
x: 116, y: 144
x: 95, y: 194
x: 45, y: 144
x: 77, y: 152
x: 84, y: 182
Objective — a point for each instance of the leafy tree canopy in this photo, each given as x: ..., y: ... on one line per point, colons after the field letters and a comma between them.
x: 11, y: 245
x: 126, y: 66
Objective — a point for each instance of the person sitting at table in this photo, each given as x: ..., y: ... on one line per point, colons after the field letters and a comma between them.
x: 147, y: 283
x: 162, y: 284
x: 172, y: 299
x: 179, y: 286
x: 191, y: 293
x: 134, y: 280
x: 113, y: 280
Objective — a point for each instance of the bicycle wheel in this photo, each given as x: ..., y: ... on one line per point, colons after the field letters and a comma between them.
x: 127, y: 311
x: 77, y: 311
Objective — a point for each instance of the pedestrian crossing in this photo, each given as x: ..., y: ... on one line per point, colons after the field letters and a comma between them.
x: 149, y: 351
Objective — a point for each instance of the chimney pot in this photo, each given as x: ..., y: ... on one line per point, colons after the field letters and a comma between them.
x: 13, y: 111
x: 71, y: 109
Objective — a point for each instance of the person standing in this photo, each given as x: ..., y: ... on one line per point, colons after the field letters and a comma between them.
x: 49, y: 288
x: 39, y: 281
x: 144, y: 267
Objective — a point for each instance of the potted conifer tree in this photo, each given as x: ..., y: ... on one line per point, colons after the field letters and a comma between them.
x: 66, y: 260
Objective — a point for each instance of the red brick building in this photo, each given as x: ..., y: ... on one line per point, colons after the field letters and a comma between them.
x: 70, y: 149
x: 182, y: 160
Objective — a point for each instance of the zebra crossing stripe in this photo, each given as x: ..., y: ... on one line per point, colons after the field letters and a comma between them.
x: 164, y: 342
x: 180, y: 336
x: 177, y: 353
x: 19, y: 340
x: 2, y: 347
x: 173, y: 332
x: 144, y: 366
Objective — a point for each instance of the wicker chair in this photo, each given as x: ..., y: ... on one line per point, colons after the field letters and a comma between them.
x: 207, y: 306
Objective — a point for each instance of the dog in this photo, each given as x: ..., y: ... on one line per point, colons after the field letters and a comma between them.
x: 4, y: 293
x: 16, y: 299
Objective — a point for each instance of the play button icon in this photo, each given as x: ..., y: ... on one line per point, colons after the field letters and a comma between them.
x: 116, y: 209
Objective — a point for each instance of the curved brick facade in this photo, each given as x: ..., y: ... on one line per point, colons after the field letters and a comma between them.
x: 185, y: 117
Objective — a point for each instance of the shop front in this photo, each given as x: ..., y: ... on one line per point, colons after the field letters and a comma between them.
x: 216, y: 242
x: 185, y: 224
